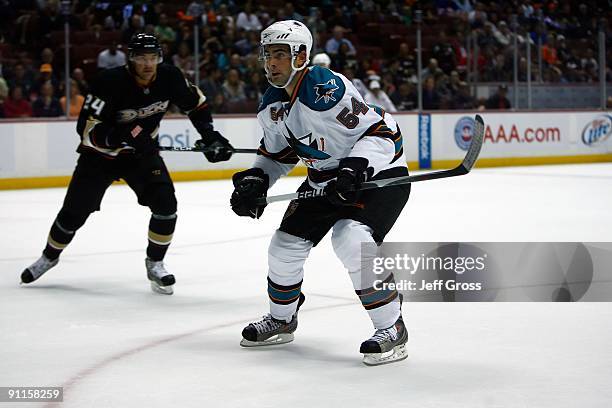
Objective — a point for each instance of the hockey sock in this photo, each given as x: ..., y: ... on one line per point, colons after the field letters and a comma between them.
x: 381, y: 302
x: 283, y: 299
x: 161, y: 229
x: 58, y: 239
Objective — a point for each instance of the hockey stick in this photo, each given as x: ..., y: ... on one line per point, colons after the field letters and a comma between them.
x: 466, y: 165
x: 197, y: 150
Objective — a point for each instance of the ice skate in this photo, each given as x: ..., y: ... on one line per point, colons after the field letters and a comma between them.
x: 270, y: 331
x: 37, y: 269
x: 161, y: 280
x: 386, y: 345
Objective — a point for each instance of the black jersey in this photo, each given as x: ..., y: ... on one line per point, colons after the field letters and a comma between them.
x: 116, y: 104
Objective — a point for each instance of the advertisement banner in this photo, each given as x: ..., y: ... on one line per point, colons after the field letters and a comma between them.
x: 47, y: 149
x: 425, y: 141
x: 516, y: 135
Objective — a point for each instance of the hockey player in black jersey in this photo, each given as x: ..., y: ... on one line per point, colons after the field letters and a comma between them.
x: 118, y: 125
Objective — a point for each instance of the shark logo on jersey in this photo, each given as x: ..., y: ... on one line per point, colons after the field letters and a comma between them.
x: 307, y: 152
x: 326, y: 91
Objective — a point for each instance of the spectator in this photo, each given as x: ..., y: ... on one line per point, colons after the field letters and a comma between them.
x: 134, y: 25
x: 563, y: 53
x: 454, y: 82
x: 503, y: 35
x: 196, y: 8
x: 252, y: 65
x: 184, y: 60
x: 4, y: 88
x: 404, y: 97
x: 47, y: 105
x: 589, y: 65
x: 76, y: 100
x: 16, y: 106
x: 291, y: 14
x: 48, y: 57
x: 111, y: 57
x: 358, y: 83
x: 49, y: 18
x: 247, y: 20
x: 208, y: 62
x: 462, y: 99
x: 79, y: 77
x: 343, y: 59
x: 317, y: 25
x: 23, y: 78
x: 333, y: 44
x: 498, y: 70
x: 406, y: 68
x: 46, y: 75
x: 248, y: 42
x: 211, y: 85
x: 478, y: 16
x: 163, y: 31
x: 224, y: 17
x: 499, y: 99
x: 339, y: 18
x: 255, y: 89
x: 443, y: 51
x: 431, y: 97
x: 233, y: 87
x: 235, y: 62
x: 219, y: 104
x: 321, y: 60
x: 376, y: 96
x: 432, y: 69
x: 549, y: 52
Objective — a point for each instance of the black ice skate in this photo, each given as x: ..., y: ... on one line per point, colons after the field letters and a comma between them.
x: 270, y: 331
x: 37, y: 269
x: 161, y: 280
x: 386, y: 345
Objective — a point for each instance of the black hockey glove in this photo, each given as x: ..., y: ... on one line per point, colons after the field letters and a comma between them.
x: 249, y: 185
x: 217, y: 147
x: 352, y: 171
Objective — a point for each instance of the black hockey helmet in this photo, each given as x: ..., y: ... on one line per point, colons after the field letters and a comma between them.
x: 144, y: 44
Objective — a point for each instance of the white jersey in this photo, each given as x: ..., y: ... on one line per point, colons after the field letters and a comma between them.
x: 322, y: 122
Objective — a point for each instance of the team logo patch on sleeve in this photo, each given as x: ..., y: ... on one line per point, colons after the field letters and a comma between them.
x: 326, y: 91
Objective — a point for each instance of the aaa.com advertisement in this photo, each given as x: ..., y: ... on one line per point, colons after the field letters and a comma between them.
x: 509, y: 135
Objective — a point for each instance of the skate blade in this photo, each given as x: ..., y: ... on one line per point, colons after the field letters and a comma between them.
x: 164, y: 290
x: 397, y: 354
x: 281, y: 338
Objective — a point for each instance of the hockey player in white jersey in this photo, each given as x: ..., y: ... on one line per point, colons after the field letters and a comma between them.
x: 317, y: 116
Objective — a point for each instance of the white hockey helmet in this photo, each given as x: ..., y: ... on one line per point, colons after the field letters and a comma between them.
x: 321, y: 59
x: 293, y: 33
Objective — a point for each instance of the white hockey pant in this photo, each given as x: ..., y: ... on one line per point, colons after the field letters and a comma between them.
x: 287, y: 254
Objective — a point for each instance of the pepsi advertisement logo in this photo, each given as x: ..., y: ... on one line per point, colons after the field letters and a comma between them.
x: 597, y: 131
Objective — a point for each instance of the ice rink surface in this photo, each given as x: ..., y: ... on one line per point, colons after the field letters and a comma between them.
x: 93, y: 326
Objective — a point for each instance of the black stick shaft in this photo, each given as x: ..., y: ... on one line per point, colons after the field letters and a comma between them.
x: 196, y: 150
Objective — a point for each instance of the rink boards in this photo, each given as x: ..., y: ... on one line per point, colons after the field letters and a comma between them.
x: 42, y: 153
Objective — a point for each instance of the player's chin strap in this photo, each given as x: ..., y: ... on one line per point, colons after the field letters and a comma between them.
x: 294, y: 71
x: 464, y: 168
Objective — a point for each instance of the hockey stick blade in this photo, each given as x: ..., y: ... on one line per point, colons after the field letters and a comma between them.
x: 475, y: 145
x: 195, y: 149
x: 463, y: 168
